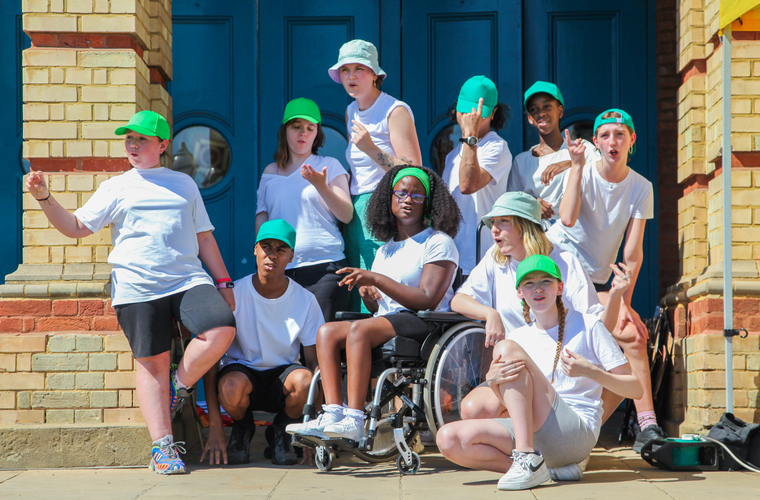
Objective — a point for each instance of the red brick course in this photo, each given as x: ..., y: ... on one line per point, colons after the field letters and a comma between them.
x: 41, y: 315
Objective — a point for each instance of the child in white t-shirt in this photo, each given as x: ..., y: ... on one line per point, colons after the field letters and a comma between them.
x: 541, y: 170
x: 603, y: 202
x: 161, y: 233
x: 414, y: 213
x: 554, y: 415
x: 310, y: 192
x: 477, y: 169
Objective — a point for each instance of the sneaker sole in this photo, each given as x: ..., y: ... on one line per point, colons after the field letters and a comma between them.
x: 541, y: 477
x: 335, y: 435
x: 152, y: 467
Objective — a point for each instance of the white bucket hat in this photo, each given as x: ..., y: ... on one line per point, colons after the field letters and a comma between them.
x: 356, y: 51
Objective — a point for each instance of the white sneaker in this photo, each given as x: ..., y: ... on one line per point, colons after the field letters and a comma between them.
x: 317, y: 426
x: 528, y: 471
x: 571, y: 472
x: 584, y: 463
x: 349, y: 428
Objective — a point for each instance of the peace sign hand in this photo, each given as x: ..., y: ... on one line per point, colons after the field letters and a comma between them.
x: 576, y: 149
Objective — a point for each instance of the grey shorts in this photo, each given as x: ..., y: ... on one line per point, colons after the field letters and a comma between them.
x: 563, y: 439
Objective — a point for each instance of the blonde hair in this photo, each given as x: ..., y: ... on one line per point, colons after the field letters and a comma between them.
x: 533, y: 237
x: 561, y: 312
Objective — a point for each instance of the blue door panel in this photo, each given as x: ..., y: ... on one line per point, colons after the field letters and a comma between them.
x: 214, y: 85
x: 600, y: 54
x: 13, y: 41
x: 447, y: 42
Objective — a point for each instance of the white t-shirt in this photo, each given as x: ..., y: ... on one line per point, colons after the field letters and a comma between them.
x: 365, y: 173
x: 606, y: 210
x: 584, y: 335
x: 493, y: 157
x: 493, y: 285
x: 270, y: 331
x: 403, y: 261
x: 295, y: 200
x: 155, y: 215
x: 526, y: 175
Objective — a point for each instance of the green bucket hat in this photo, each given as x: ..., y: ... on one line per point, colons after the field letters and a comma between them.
x: 515, y: 203
x: 537, y: 263
x: 356, y: 51
x: 471, y: 92
x: 147, y: 123
x: 302, y: 108
x: 543, y: 88
x: 625, y: 119
x: 277, y: 229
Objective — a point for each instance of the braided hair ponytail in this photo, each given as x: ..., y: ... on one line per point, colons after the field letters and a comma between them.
x: 561, y: 312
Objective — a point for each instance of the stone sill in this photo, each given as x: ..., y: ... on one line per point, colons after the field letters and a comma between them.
x: 94, y: 289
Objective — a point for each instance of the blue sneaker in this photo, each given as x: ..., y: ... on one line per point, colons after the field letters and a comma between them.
x: 164, y: 456
x: 178, y: 395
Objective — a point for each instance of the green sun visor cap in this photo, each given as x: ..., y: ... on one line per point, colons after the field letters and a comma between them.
x: 537, y: 263
x: 147, y: 123
x: 543, y: 88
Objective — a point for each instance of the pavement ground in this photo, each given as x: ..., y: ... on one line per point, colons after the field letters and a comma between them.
x: 614, y: 472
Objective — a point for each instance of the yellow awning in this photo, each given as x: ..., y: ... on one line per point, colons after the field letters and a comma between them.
x: 731, y: 10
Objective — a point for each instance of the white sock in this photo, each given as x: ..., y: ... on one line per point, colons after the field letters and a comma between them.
x: 335, y: 409
x: 355, y: 414
x: 177, y: 382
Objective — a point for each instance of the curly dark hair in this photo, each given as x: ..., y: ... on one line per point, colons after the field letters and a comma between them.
x: 442, y: 211
x: 500, y: 117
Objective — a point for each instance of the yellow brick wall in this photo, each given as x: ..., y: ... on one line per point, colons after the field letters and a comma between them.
x: 67, y: 379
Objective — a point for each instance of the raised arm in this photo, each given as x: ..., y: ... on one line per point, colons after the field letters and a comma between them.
x: 59, y: 217
x: 472, y: 177
x: 335, y: 194
x: 403, y: 140
x: 570, y: 206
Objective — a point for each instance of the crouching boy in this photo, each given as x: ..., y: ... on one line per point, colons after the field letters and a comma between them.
x: 275, y: 316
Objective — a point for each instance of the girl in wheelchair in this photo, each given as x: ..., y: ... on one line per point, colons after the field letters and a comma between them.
x: 413, y: 212
x: 549, y: 376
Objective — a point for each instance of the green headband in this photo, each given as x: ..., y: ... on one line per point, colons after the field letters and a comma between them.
x: 417, y: 173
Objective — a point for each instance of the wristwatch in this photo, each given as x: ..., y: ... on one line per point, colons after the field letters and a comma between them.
x: 470, y: 141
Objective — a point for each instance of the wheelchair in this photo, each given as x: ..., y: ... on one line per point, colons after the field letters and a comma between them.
x: 419, y: 386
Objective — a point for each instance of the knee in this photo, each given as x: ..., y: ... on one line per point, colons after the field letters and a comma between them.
x: 507, y: 349
x: 327, y: 335
x: 632, y: 342
x: 447, y: 440
x: 471, y: 408
x: 301, y: 383
x: 231, y: 390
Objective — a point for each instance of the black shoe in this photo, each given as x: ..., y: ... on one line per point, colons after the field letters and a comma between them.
x: 648, y: 434
x: 239, y: 447
x: 283, y: 453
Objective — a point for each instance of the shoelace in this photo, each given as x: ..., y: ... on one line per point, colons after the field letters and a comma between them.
x: 174, y: 449
x: 520, y: 460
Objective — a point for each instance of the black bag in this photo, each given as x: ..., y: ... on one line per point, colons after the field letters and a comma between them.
x: 741, y: 438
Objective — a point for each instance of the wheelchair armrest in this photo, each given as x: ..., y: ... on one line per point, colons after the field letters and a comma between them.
x: 442, y: 317
x: 351, y: 316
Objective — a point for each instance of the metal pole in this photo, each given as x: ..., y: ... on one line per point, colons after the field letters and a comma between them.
x: 728, y: 292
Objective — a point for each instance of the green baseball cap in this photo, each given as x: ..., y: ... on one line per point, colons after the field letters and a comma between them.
x: 471, y: 92
x: 147, y: 123
x: 537, y: 263
x: 624, y: 119
x: 515, y: 203
x: 302, y: 108
x: 543, y: 88
x: 277, y: 229
x: 356, y: 51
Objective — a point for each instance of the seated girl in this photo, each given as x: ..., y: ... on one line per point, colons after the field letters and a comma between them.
x: 489, y: 292
x: 549, y: 376
x: 413, y: 212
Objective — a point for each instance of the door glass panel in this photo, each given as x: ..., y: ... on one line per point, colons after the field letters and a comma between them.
x: 202, y: 153
x: 582, y: 129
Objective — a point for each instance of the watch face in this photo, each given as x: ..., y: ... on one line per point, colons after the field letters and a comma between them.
x: 470, y: 141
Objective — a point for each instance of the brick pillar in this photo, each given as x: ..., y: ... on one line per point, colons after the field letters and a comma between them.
x: 63, y: 360
x: 698, y: 391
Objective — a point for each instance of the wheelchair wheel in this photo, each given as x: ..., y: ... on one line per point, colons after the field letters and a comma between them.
x: 404, y: 468
x: 324, y: 458
x: 458, y: 363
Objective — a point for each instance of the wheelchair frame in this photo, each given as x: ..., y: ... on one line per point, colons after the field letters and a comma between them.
x: 430, y: 370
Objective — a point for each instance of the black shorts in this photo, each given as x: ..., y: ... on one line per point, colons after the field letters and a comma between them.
x: 601, y: 287
x: 267, y: 394
x: 148, y: 325
x: 321, y: 280
x: 407, y: 324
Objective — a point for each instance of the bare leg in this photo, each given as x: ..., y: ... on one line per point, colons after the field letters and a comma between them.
x: 363, y: 336
x: 331, y: 339
x: 635, y: 349
x: 152, y: 386
x: 203, y: 352
x: 477, y: 444
x: 234, y: 394
x: 296, y: 390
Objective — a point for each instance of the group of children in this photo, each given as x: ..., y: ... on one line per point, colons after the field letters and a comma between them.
x: 557, y: 216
